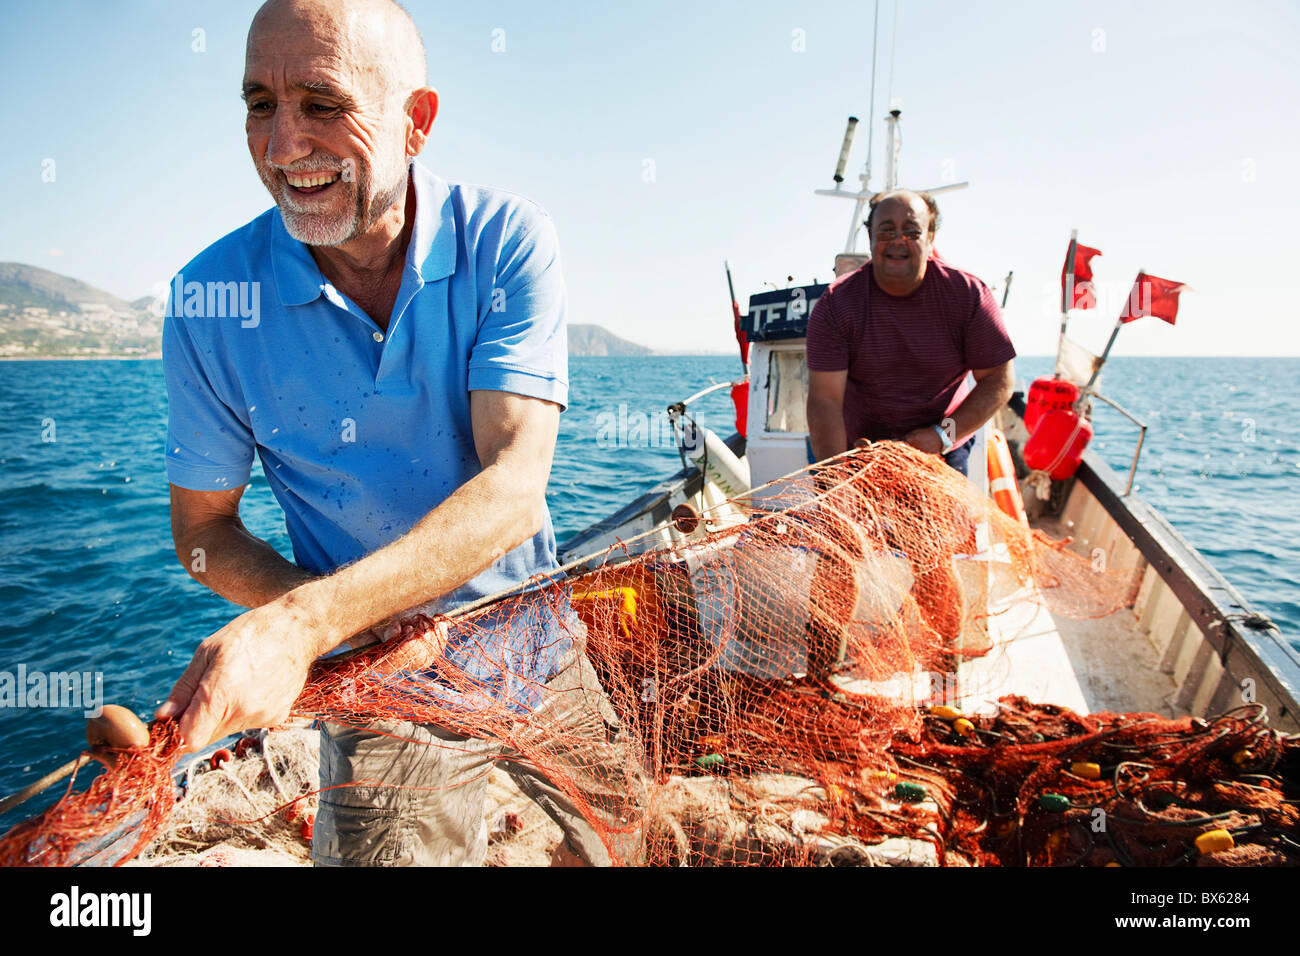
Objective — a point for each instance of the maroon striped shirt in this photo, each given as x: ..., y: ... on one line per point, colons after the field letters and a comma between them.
x: 907, y: 356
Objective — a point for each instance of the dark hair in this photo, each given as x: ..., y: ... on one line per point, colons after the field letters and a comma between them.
x: 930, y: 204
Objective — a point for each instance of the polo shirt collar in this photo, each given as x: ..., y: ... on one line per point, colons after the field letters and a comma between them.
x: 298, y: 279
x: 432, y: 249
x: 433, y: 240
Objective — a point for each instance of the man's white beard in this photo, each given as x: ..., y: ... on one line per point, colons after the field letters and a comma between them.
x: 318, y: 229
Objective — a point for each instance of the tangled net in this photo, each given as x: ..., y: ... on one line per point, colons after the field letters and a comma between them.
x: 747, y: 664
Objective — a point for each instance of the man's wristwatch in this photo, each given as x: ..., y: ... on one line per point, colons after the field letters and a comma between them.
x: 947, y: 443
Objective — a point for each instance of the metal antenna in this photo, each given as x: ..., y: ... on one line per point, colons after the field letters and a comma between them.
x: 871, y: 116
x: 893, y: 45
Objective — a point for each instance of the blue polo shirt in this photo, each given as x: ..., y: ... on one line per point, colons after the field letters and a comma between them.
x: 363, y: 431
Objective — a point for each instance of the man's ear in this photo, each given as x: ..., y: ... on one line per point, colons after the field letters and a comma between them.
x: 422, y: 110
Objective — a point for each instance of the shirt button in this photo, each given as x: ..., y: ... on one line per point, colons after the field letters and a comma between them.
x: 378, y: 336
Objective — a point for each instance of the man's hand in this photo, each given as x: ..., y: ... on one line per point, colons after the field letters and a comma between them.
x: 248, y: 674
x: 925, y: 439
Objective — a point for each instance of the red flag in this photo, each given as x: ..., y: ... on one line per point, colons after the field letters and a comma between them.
x: 1083, y: 297
x: 1152, y: 295
x: 741, y: 340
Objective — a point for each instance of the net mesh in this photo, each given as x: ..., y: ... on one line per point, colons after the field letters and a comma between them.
x: 763, y: 672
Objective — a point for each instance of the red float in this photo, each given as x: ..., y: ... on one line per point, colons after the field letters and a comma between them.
x: 1048, y: 394
x: 1057, y: 443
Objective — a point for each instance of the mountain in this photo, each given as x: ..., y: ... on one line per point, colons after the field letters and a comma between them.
x: 47, y: 315
x: 595, y: 340
x: 23, y: 285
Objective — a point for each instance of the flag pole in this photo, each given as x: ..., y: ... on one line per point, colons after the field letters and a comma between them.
x: 1067, y: 296
x: 735, y: 312
x: 1119, y: 324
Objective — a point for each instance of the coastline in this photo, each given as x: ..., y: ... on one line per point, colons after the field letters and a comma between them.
x: 79, y: 358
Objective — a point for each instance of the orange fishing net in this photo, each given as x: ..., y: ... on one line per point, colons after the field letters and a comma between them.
x: 763, y: 664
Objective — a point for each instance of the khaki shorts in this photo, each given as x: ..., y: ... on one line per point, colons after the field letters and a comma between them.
x: 418, y: 791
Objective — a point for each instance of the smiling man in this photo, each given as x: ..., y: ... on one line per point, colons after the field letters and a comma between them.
x: 402, y: 387
x: 890, y: 345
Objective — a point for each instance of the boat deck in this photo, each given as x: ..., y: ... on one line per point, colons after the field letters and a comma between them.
x: 1086, y: 665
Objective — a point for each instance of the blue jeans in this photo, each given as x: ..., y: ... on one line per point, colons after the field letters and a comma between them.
x: 401, y: 794
x: 960, y: 456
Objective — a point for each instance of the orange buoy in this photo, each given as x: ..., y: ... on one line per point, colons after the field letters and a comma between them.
x: 308, y: 823
x: 1002, y: 479
x: 116, y: 728
x: 244, y: 745
x: 219, y: 757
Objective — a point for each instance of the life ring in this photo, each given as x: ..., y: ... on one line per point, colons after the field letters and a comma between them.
x: 1002, y: 479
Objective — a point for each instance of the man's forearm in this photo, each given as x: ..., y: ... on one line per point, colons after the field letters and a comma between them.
x: 989, y: 394
x: 487, y: 516
x: 239, y: 566
x: 826, y: 432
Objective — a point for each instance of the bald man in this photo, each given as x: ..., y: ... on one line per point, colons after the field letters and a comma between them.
x: 398, y: 361
x: 890, y: 345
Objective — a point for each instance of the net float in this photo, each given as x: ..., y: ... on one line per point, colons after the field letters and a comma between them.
x: 1214, y: 841
x: 685, y: 518
x: 1054, y: 802
x: 116, y: 728
x: 910, y: 792
x: 219, y: 757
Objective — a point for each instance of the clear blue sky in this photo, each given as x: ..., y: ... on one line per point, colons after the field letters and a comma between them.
x: 1165, y: 131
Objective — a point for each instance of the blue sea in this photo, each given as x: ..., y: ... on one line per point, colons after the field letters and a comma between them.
x: 89, y: 581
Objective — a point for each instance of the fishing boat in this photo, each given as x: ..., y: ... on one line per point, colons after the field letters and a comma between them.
x: 1188, y: 643
x: 1182, y: 643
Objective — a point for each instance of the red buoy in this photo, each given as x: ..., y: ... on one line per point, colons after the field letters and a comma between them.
x: 1056, y: 445
x: 308, y: 823
x: 1048, y: 394
x: 219, y: 757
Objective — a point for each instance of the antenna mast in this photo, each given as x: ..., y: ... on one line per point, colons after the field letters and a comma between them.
x: 892, y: 147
